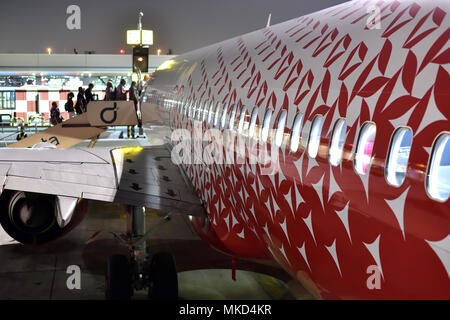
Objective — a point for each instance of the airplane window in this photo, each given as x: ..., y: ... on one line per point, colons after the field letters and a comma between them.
x: 280, y: 128
x: 186, y: 108
x: 314, y: 136
x: 200, y: 110
x: 224, y: 116
x: 195, y: 109
x: 438, y: 175
x: 337, y: 142
x: 205, y: 110
x: 232, y: 116
x: 296, y: 129
x: 266, y: 125
x: 211, y: 113
x: 217, y: 115
x: 397, y: 160
x: 191, y: 106
x: 251, y: 129
x: 244, y: 113
x: 364, y: 147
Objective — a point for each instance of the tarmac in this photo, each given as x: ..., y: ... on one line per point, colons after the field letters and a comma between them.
x: 40, y: 273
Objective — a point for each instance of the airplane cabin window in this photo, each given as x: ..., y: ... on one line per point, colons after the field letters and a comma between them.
x: 314, y: 136
x: 232, y: 117
x: 223, y: 123
x: 217, y: 114
x: 189, y: 109
x: 205, y: 110
x: 364, y: 148
x: 186, y: 108
x: 211, y: 113
x: 438, y: 175
x: 194, y: 109
x: 280, y: 128
x: 197, y: 109
x: 266, y: 125
x: 244, y: 113
x: 337, y: 142
x: 398, y: 156
x: 251, y: 129
x: 201, y: 106
x: 296, y: 129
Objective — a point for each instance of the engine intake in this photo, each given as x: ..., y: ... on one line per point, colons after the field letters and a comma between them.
x: 33, y: 218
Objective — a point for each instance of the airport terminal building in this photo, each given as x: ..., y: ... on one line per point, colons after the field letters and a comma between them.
x: 29, y: 83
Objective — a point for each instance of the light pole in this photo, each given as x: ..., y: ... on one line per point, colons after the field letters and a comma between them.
x: 140, y: 40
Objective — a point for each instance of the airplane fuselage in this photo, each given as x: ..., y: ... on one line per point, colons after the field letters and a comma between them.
x: 353, y: 112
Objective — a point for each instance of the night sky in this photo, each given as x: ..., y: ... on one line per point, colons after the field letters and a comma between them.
x: 30, y: 26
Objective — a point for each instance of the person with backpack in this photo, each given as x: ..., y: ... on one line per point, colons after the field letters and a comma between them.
x: 69, y: 105
x: 55, y: 114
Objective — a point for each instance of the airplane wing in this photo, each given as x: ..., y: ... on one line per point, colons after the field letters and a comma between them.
x: 134, y: 176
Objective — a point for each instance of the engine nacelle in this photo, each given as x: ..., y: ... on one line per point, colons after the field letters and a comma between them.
x: 34, y: 218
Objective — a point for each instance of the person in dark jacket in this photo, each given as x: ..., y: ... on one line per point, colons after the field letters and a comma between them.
x: 133, y: 97
x: 88, y: 94
x: 132, y: 94
x: 121, y: 92
x: 80, y: 106
x: 69, y: 107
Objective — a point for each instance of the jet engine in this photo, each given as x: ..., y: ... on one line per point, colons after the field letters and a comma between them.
x: 34, y: 218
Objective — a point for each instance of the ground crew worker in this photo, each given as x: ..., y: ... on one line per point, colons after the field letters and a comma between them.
x: 21, y: 134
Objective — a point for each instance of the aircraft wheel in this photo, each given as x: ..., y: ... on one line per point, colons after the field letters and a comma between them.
x: 163, y: 277
x: 118, y: 278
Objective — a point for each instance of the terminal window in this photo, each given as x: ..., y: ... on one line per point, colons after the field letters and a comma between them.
x: 7, y: 100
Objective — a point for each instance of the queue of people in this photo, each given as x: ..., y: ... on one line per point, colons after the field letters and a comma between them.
x: 84, y: 96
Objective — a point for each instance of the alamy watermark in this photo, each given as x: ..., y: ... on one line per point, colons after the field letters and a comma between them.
x: 74, y: 280
x: 73, y: 21
x: 374, y: 280
x: 213, y: 146
x: 374, y: 19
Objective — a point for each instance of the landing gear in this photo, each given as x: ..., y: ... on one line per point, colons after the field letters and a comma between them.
x: 118, y: 278
x: 163, y: 278
x: 136, y: 272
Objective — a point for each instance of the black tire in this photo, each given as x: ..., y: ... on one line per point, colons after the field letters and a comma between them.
x: 44, y: 231
x: 163, y: 277
x: 118, y: 278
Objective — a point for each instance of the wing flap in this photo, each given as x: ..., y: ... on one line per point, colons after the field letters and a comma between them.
x: 134, y: 176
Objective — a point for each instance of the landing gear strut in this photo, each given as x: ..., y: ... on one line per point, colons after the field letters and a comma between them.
x: 136, y: 272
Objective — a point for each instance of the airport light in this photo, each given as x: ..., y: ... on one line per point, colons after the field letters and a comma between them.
x: 158, y: 52
x: 139, y: 37
x: 140, y: 40
x: 49, y: 50
x: 122, y: 51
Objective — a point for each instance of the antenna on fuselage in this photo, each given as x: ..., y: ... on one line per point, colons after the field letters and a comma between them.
x: 268, y: 20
